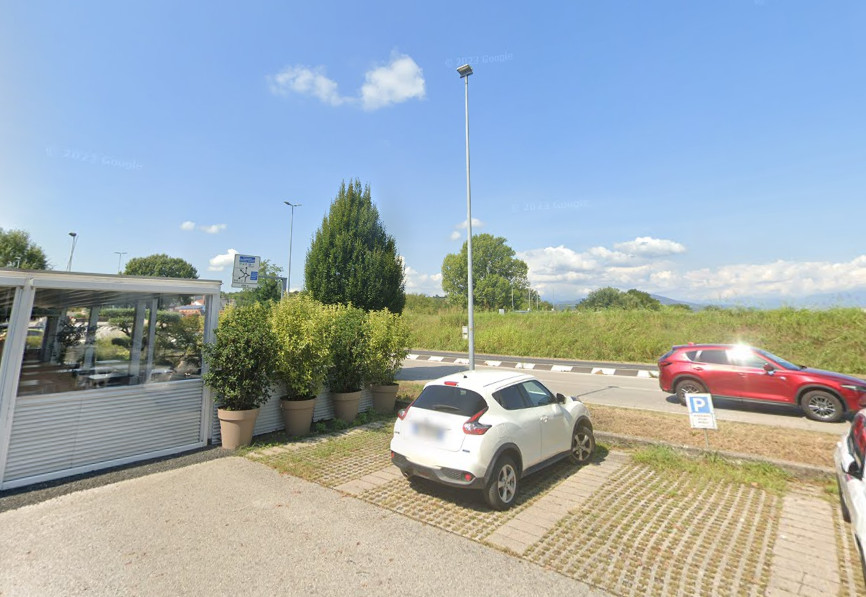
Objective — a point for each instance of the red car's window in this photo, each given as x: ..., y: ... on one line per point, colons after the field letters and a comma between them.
x: 713, y: 357
x: 745, y: 358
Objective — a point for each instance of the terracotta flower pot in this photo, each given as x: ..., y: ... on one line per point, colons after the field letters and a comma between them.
x: 346, y: 405
x: 297, y: 415
x: 236, y: 427
x: 384, y: 397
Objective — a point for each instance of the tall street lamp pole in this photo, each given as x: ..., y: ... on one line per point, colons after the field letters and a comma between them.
x: 74, y: 236
x: 120, y: 255
x: 464, y: 72
x: 291, y: 231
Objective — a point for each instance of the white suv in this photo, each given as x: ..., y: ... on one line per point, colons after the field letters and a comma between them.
x: 486, y: 430
x: 849, y: 456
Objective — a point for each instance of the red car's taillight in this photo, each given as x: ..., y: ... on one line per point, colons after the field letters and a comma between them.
x: 473, y: 427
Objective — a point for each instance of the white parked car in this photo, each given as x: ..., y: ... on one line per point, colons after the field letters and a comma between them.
x: 486, y: 430
x: 849, y: 457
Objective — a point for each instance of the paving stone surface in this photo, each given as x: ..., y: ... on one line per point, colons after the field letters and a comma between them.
x: 805, y: 560
x: 371, y: 481
x: 531, y: 524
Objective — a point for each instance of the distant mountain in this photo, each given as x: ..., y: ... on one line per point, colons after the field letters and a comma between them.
x: 669, y: 301
x: 814, y: 301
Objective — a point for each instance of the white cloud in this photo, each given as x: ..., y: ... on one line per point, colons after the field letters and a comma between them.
x: 646, y: 246
x: 220, y: 262
x: 419, y: 283
x: 476, y: 223
x: 306, y: 81
x: 779, y: 278
x: 213, y: 228
x: 401, y: 80
x: 187, y: 225
x: 641, y: 264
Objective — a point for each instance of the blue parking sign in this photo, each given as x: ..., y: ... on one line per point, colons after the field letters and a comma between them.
x: 701, y: 413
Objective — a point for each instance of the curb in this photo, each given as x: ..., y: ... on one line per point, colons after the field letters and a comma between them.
x: 645, y: 373
x: 800, y: 471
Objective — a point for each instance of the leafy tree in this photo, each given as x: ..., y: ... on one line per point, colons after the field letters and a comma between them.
x: 17, y: 250
x: 613, y: 298
x: 637, y: 299
x: 496, y: 273
x: 421, y: 303
x: 269, y: 290
x: 160, y: 265
x: 352, y: 260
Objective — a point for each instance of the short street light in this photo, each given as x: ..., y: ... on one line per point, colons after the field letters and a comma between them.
x: 291, y: 229
x: 74, y: 236
x: 464, y: 72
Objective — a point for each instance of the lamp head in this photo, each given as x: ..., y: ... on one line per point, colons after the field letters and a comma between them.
x: 464, y: 70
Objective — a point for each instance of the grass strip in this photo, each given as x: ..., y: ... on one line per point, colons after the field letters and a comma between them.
x: 712, y: 468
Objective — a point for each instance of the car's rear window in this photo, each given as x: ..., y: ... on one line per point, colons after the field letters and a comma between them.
x: 450, y: 399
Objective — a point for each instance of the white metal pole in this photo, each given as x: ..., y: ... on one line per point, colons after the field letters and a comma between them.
x: 469, y: 239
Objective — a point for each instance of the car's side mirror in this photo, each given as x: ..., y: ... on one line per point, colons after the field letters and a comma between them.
x: 560, y: 398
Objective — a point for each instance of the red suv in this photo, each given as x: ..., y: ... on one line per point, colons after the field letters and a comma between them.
x: 746, y: 373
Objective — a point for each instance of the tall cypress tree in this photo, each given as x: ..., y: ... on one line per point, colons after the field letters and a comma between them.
x: 352, y: 259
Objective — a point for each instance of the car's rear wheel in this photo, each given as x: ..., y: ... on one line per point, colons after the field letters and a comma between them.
x: 688, y: 386
x: 846, y: 515
x: 822, y: 406
x: 582, y: 444
x: 501, y: 490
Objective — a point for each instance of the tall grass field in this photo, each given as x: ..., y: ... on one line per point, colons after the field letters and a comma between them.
x: 832, y: 339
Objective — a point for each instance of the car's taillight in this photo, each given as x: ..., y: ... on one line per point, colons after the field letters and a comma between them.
x: 403, y: 412
x: 473, y: 427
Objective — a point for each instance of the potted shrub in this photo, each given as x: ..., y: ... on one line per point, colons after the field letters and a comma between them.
x: 387, y: 346
x: 239, y: 365
x: 302, y: 328
x: 348, y: 351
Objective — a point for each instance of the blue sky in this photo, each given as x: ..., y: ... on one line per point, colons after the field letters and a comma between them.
x: 707, y: 151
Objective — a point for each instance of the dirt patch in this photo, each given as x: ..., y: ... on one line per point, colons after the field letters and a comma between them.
x: 793, y: 445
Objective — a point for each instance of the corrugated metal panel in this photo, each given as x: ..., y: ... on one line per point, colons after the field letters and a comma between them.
x: 55, y: 432
x: 271, y: 419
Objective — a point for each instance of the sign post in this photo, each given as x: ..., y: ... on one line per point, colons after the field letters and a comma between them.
x: 701, y: 413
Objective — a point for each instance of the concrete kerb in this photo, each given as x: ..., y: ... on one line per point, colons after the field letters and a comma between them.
x: 804, y: 472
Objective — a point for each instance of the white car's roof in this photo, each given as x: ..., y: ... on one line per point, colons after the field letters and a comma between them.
x: 482, y: 380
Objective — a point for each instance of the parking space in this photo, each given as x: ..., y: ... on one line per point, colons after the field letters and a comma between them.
x: 622, y: 526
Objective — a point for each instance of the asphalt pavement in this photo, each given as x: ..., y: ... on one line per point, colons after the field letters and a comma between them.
x: 231, y: 526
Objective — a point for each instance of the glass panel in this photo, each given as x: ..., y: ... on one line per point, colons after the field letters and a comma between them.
x: 713, y: 357
x: 7, y: 297
x: 87, y: 339
x: 510, y: 398
x: 451, y: 400
x: 538, y: 394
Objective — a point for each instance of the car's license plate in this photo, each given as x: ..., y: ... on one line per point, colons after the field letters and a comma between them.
x: 428, y: 431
